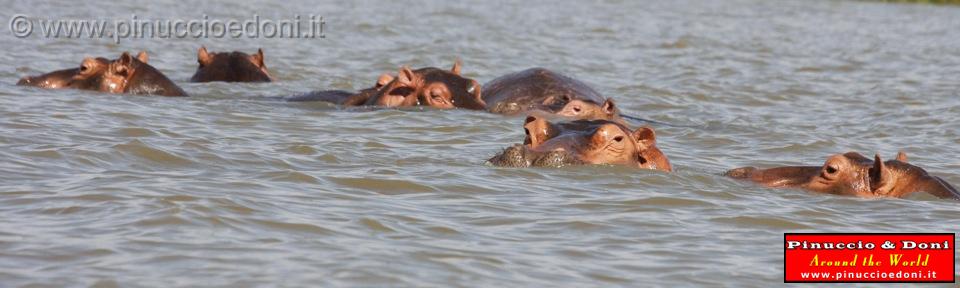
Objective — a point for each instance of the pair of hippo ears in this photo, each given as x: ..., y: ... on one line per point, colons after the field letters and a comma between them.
x: 457, y: 66
x: 124, y: 63
x: 125, y: 58
x: 406, y: 75
x: 204, y: 57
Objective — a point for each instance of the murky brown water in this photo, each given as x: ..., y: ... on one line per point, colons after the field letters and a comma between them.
x: 229, y: 188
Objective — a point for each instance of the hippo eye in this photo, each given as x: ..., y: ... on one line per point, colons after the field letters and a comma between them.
x: 831, y: 169
x: 472, y: 88
x: 618, y: 138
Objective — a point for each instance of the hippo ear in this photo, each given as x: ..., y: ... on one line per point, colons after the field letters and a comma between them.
x: 880, y: 178
x: 477, y: 95
x: 406, y: 77
x: 456, y: 67
x: 645, y: 137
x: 122, y: 65
x: 609, y: 107
x: 902, y: 157
x: 143, y: 57
x: 537, y: 131
x: 258, y: 58
x: 383, y: 80
x: 204, y: 57
x: 125, y: 59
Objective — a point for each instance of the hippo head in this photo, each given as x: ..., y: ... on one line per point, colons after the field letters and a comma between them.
x: 87, y: 76
x: 429, y: 87
x: 584, y: 109
x: 230, y: 67
x: 116, y: 76
x: 852, y: 174
x: 584, y: 142
x: 91, y: 72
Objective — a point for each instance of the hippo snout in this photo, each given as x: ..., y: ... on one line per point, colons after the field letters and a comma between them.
x: 740, y: 173
x: 25, y: 81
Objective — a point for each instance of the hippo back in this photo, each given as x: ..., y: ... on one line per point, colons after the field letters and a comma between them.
x: 149, y: 81
x: 535, y: 88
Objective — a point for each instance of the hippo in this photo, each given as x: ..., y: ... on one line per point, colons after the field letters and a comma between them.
x: 86, y: 77
x: 131, y: 76
x: 545, y: 90
x: 429, y: 86
x: 342, y: 97
x: 233, y: 66
x: 852, y: 174
x: 583, y: 142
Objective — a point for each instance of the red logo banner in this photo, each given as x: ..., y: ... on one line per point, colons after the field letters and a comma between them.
x: 869, y: 257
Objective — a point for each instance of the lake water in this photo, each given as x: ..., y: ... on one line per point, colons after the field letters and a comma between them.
x: 232, y: 188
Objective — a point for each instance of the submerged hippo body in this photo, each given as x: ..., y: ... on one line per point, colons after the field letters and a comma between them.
x: 434, y: 87
x: 583, y: 142
x: 852, y: 174
x: 545, y: 90
x: 230, y: 67
x: 86, y: 77
x: 342, y: 97
x: 129, y: 75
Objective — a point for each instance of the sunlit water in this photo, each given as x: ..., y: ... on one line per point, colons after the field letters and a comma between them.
x: 232, y: 188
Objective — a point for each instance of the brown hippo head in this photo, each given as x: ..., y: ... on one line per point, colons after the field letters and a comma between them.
x: 230, y: 67
x: 133, y: 76
x: 430, y: 86
x: 540, y: 89
x: 852, y: 174
x: 584, y: 109
x: 584, y: 142
x: 86, y: 77
x: 90, y: 75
